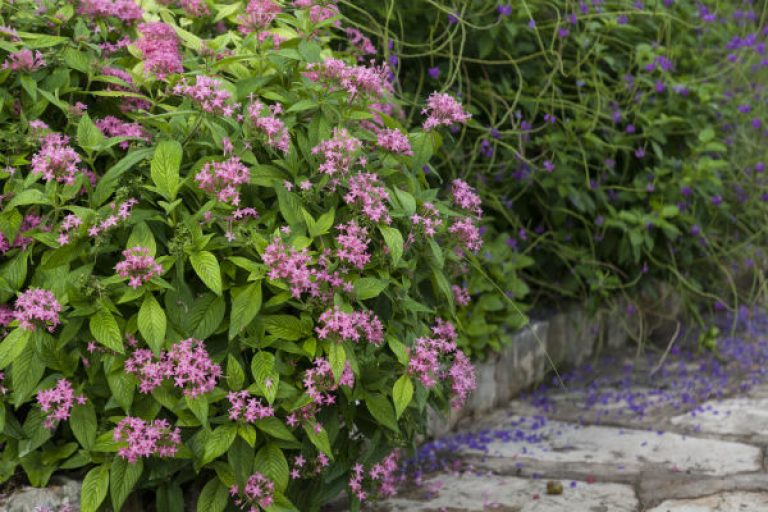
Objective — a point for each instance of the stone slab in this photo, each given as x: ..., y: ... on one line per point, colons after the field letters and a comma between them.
x: 58, y: 495
x: 725, y: 502
x: 630, y: 451
x: 470, y: 492
x: 733, y: 417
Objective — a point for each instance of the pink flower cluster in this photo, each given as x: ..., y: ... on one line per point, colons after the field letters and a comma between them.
x: 464, y: 196
x: 125, y: 10
x: 138, y: 266
x: 56, y: 160
x: 123, y: 212
x: 265, y: 119
x: 319, y: 381
x: 259, y: 493
x: 339, y: 153
x: 367, y: 192
x: 24, y: 60
x: 429, y: 220
x: 383, y: 472
x: 111, y: 126
x: 467, y: 233
x: 160, y: 46
x: 128, y: 103
x: 145, y: 439
x: 209, y: 93
x: 69, y: 223
x: 350, y: 326
x: 363, y: 80
x: 58, y: 402
x: 359, y: 41
x: 242, y: 405
x: 187, y: 363
x: 223, y: 179
x: 37, y: 307
x: 258, y: 15
x: 443, y: 109
x: 6, y: 315
x: 353, y: 244
x: 194, y: 8
x: 426, y: 362
x: 395, y: 141
x: 461, y: 295
x: 319, y: 10
x: 296, y: 267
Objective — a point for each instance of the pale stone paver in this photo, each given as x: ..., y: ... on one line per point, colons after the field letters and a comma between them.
x: 631, y: 451
x: 734, y: 416
x: 725, y: 502
x: 485, y: 493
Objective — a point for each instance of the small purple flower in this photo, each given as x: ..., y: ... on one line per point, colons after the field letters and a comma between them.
x: 610, y: 163
x: 495, y: 133
x: 549, y: 166
x: 622, y: 19
x: 599, y: 220
x: 717, y: 200
x: 640, y: 153
x: 563, y: 32
x: 434, y: 72
x: 486, y: 149
x: 759, y: 167
x: 504, y: 10
x: 394, y: 61
x: 757, y: 123
x: 695, y: 230
x: 452, y: 19
x: 532, y: 24
x: 660, y: 87
x: 630, y: 128
x: 686, y: 191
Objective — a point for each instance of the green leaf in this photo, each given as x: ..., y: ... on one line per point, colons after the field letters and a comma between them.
x: 142, y: 236
x: 88, y: 134
x: 13, y: 345
x: 165, y: 168
x: 30, y: 85
x: 290, y: 206
x: 235, y: 374
x: 199, y: 407
x: 152, y: 323
x: 369, y: 287
x: 121, y: 387
x: 263, y: 370
x: 26, y: 372
x: 406, y: 200
x: 285, y: 327
x: 381, y: 409
x: 246, y: 303
x: 337, y: 357
x: 104, y: 328
x: 270, y: 462
x: 94, y: 490
x: 275, y: 428
x: 402, y: 393
x: 319, y: 439
x: 207, y: 268
x: 394, y: 240
x: 399, y: 349
x: 108, y: 183
x: 83, y: 424
x: 29, y: 196
x: 707, y: 134
x: 122, y: 479
x: 219, y: 442
x: 206, y: 315
x: 213, y: 497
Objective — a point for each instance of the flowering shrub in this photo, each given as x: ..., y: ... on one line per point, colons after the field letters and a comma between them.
x: 222, y: 267
x: 614, y: 142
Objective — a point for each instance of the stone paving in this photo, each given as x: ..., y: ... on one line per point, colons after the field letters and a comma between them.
x: 624, y: 435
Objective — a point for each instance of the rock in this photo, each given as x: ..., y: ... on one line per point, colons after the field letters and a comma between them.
x: 743, y: 417
x: 469, y: 492
x: 521, y: 362
x: 724, y: 502
x: 483, y: 398
x: 56, y: 497
x: 571, y: 337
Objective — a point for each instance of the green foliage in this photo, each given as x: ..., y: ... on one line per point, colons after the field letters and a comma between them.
x: 601, y: 167
x: 209, y: 270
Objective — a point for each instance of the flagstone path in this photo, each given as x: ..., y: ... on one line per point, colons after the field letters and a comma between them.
x: 690, y: 436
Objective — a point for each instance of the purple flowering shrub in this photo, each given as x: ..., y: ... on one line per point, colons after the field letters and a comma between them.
x: 222, y: 270
x: 614, y: 142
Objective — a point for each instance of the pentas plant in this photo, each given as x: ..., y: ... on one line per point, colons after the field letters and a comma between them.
x: 221, y: 265
x: 615, y: 143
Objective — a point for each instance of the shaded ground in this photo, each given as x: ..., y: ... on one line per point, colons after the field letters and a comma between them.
x: 626, y: 434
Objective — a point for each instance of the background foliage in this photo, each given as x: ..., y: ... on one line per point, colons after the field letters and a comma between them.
x: 616, y: 143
